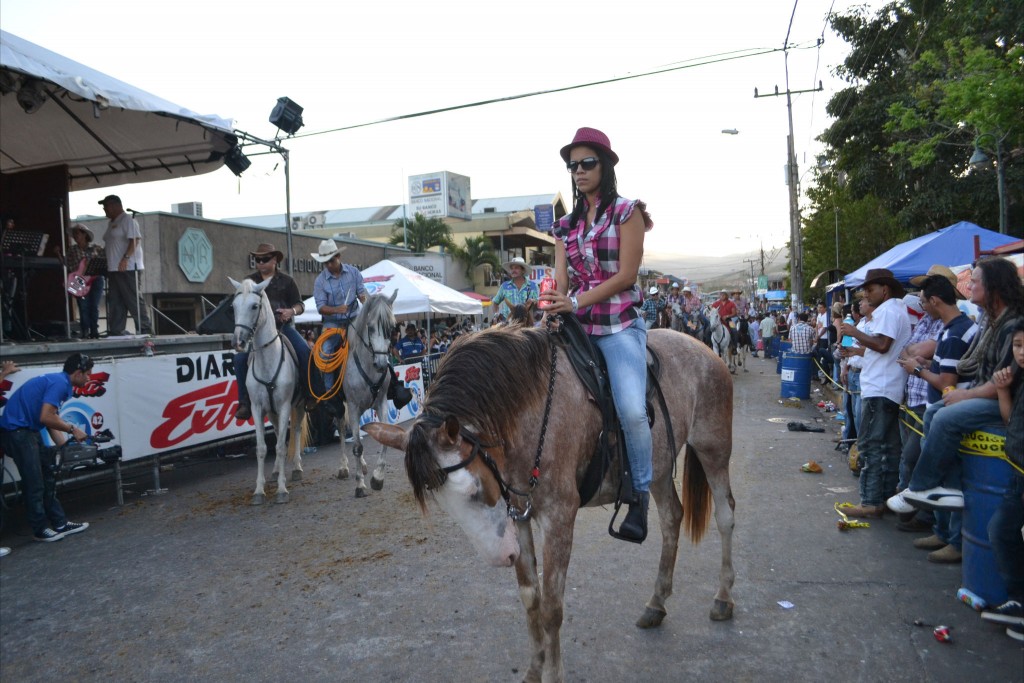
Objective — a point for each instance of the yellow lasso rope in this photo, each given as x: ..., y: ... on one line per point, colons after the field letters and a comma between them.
x: 327, y: 363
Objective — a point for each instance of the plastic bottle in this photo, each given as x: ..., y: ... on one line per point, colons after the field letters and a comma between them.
x: 847, y: 339
x: 971, y: 599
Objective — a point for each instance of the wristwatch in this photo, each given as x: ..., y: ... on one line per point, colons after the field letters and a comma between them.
x: 574, y: 302
x: 917, y: 370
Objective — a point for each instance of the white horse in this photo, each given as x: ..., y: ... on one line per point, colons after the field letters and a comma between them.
x: 271, y: 383
x: 720, y: 339
x: 368, y: 375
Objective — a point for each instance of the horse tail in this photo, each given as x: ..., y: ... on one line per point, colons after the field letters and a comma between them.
x: 696, y: 496
x: 299, y: 427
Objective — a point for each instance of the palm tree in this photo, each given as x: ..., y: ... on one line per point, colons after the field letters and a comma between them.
x: 476, y: 251
x: 423, y: 233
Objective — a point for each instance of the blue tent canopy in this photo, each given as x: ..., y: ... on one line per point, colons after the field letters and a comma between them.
x: 950, y: 246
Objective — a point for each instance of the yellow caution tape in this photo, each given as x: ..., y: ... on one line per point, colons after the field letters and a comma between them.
x: 846, y: 523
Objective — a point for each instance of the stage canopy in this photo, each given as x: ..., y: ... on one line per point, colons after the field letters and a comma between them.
x: 105, y: 131
x: 416, y: 293
x: 949, y: 247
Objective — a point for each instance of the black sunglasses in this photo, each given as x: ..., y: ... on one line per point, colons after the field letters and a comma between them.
x: 588, y: 164
x: 262, y: 259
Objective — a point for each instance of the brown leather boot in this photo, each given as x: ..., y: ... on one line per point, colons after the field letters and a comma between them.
x: 873, y: 511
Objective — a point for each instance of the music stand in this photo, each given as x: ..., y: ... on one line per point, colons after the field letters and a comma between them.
x: 21, y: 244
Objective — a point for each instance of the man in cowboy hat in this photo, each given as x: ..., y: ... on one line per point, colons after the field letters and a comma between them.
x: 518, y: 290
x: 882, y: 383
x: 652, y: 306
x: 725, y: 306
x: 286, y: 302
x: 123, y: 242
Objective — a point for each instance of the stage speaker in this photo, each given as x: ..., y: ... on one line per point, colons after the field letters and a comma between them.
x: 286, y: 115
x: 236, y: 161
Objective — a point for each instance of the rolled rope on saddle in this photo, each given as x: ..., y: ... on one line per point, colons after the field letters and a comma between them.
x: 326, y: 363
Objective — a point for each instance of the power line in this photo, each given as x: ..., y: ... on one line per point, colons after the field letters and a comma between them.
x: 710, y: 59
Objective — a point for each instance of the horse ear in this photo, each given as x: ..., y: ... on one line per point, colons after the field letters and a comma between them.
x: 394, y: 295
x: 235, y: 283
x: 261, y: 286
x: 449, y: 432
x: 388, y: 435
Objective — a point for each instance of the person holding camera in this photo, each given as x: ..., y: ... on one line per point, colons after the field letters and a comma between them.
x: 33, y: 406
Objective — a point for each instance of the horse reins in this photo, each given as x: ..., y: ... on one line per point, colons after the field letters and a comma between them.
x: 271, y: 385
x: 480, y: 449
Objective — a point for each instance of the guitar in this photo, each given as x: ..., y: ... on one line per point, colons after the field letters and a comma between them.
x: 79, y: 283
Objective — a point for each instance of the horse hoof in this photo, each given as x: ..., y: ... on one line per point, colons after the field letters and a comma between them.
x: 258, y: 499
x: 376, y: 484
x: 722, y: 611
x: 361, y: 493
x: 296, y: 475
x: 282, y: 497
x: 651, y: 618
x: 342, y: 474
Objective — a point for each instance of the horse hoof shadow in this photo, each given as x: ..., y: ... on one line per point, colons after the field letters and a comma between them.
x: 361, y: 493
x: 722, y: 611
x: 282, y: 497
x: 376, y: 484
x: 651, y: 618
x: 258, y: 499
x: 342, y: 474
x: 296, y: 475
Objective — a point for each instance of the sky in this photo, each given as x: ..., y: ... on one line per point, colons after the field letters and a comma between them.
x: 350, y: 63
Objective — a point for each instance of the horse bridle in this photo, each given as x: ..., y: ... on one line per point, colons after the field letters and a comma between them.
x: 270, y: 384
x: 375, y: 386
x: 480, y: 449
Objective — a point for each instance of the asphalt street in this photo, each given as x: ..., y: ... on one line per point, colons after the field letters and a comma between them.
x: 195, y: 584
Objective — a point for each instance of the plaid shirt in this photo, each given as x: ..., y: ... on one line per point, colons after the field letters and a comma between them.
x: 802, y: 337
x: 999, y: 351
x: 509, y: 295
x: 928, y: 328
x: 592, y: 257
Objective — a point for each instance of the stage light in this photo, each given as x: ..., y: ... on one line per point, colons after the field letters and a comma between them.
x: 236, y: 161
x: 287, y: 116
x: 31, y: 95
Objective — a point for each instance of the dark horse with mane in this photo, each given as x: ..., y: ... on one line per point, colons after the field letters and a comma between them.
x: 501, y: 455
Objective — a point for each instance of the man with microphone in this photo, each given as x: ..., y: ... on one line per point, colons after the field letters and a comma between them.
x: 123, y: 243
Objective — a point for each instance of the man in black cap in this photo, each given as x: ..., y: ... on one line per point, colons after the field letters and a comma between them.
x: 123, y: 244
x: 33, y: 406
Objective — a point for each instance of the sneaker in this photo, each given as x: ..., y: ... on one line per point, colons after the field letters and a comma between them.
x: 70, y: 528
x: 898, y: 504
x: 1010, y: 612
x: 1015, y: 631
x: 938, y: 498
x: 946, y: 555
x: 932, y: 542
x: 4, y: 551
x: 47, y: 535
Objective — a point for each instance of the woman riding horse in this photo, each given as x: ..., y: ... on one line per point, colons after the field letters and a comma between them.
x: 597, y: 257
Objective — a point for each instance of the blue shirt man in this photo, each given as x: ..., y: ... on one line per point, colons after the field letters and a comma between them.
x: 410, y: 347
x: 32, y: 407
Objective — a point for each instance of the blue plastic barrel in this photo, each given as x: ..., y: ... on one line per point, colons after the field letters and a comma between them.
x: 781, y: 347
x: 986, y: 479
x: 796, y: 375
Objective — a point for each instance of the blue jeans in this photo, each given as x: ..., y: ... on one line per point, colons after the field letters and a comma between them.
x: 89, y: 309
x: 625, y: 354
x: 911, y: 444
x: 38, y: 481
x: 878, y: 438
x: 301, y: 351
x: 1007, y: 544
x: 948, y: 525
x: 939, y: 464
x: 855, y: 400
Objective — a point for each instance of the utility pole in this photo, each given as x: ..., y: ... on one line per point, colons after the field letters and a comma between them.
x: 796, y: 250
x: 753, y: 280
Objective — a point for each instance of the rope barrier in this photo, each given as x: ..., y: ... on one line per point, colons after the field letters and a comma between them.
x: 328, y: 362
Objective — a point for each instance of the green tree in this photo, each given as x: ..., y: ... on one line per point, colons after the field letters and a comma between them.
x: 423, y: 233
x: 474, y: 252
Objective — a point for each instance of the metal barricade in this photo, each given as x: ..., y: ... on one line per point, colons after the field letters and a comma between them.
x: 429, y: 366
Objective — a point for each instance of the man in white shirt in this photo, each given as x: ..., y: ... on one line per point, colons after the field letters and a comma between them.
x: 883, y: 383
x: 123, y: 244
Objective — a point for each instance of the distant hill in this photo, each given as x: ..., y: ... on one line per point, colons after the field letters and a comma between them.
x: 715, y: 272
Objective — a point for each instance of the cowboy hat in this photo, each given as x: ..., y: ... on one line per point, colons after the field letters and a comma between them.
x: 81, y: 228
x: 593, y: 138
x: 884, y: 276
x: 652, y: 291
x: 517, y: 261
x: 675, y: 285
x: 687, y: 289
x: 267, y: 249
x: 938, y: 269
x: 328, y: 250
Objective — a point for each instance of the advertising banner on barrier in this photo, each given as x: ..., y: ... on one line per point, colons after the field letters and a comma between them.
x: 165, y: 403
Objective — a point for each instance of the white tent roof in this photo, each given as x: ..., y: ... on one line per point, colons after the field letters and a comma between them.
x: 416, y: 293
x: 105, y: 131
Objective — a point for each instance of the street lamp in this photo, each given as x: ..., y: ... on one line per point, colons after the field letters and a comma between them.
x: 979, y: 158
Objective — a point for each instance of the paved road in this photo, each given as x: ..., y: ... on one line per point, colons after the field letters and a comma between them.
x: 197, y: 585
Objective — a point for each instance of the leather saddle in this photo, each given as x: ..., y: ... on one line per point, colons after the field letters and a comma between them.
x: 589, y: 364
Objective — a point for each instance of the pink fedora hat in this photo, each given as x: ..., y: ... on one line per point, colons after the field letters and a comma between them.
x: 593, y: 138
